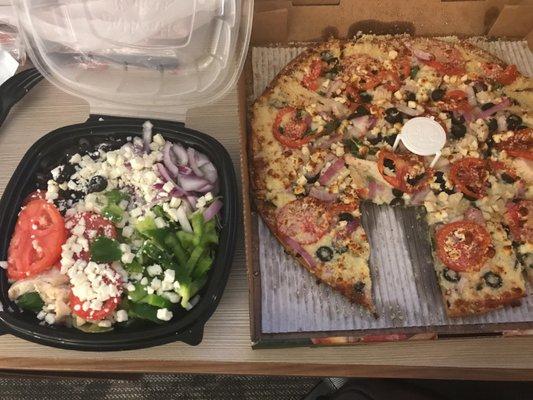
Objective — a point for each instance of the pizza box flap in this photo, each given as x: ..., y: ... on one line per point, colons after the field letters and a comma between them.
x: 308, y: 20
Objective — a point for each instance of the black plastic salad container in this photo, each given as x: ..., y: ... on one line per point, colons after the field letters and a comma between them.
x: 186, y: 326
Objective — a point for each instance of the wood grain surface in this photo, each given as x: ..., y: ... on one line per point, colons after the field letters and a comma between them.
x: 226, y: 345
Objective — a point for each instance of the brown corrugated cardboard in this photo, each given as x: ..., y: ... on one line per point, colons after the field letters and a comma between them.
x: 308, y: 21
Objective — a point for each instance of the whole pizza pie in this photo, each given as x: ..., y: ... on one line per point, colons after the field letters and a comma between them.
x: 322, y: 137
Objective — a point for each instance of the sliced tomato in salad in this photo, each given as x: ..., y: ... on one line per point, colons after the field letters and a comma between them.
x: 519, y: 219
x: 503, y: 75
x: 38, y: 194
x: 405, y: 172
x: 95, y: 225
x: 310, y: 81
x: 463, y: 245
x: 520, y: 144
x: 470, y: 176
x: 36, y: 243
x: 76, y: 305
x: 290, y: 128
x: 303, y: 220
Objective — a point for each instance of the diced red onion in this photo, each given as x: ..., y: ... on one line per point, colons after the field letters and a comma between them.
x: 297, y: 247
x: 172, y: 169
x: 467, y: 115
x: 419, y: 196
x: 147, y: 135
x: 324, y: 142
x: 330, y: 173
x: 178, y: 192
x: 163, y: 172
x: 212, y: 210
x: 352, y: 225
x: 419, y: 53
x: 471, y: 96
x: 192, y: 200
x: 210, y: 172
x: 201, y: 159
x: 498, y: 107
x: 192, y: 183
x: 359, y: 126
x: 502, y: 123
x: 373, y: 188
x: 158, y: 186
x: 322, y: 194
x: 184, y: 170
x: 412, y: 112
x: 191, y: 153
x: 180, y: 153
x: 475, y: 215
x: 333, y: 87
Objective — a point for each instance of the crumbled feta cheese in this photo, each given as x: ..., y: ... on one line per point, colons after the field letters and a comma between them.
x: 149, y: 290
x: 393, y: 54
x: 3, y: 264
x: 50, y: 318
x: 174, y: 202
x: 154, y: 270
x: 168, y: 186
x: 164, y: 314
x: 127, y: 258
x: 170, y: 275
x: 172, y: 297
x: 411, y: 104
x: 160, y: 222
x: 104, y: 323
x: 121, y: 316
x: 155, y: 284
x: 127, y: 231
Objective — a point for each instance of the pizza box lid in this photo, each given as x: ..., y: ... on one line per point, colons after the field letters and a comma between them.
x: 138, y: 57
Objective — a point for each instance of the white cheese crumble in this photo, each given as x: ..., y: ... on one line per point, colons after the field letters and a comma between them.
x: 164, y: 314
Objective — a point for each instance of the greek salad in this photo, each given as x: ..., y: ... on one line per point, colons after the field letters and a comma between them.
x: 120, y: 231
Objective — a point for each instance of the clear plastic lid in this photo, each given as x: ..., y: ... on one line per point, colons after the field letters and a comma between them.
x: 138, y: 54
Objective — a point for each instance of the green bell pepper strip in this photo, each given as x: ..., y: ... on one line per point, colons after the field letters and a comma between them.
x: 179, y: 252
x: 113, y: 212
x: 202, y: 266
x: 30, y: 301
x: 156, y: 301
x: 143, y: 311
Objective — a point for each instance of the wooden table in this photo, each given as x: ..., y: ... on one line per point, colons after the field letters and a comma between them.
x: 226, y: 345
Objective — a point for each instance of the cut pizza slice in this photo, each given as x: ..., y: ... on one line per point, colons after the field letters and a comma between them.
x: 329, y: 241
x: 518, y: 218
x: 476, y: 266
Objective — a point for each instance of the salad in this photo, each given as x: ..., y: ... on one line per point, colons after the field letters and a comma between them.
x: 120, y: 231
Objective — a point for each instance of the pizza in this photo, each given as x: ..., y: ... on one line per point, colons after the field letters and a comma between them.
x: 321, y: 144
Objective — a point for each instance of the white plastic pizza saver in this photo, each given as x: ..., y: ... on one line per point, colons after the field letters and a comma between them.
x: 423, y: 136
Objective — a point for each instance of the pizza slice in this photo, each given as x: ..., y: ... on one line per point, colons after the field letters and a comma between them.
x: 476, y: 266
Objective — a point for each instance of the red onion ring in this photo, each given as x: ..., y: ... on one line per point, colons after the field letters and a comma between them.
x: 330, y: 173
x: 322, y: 194
x: 294, y: 245
x: 498, y: 107
x: 212, y: 210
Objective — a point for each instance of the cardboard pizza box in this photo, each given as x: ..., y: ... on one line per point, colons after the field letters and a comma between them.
x: 285, y: 23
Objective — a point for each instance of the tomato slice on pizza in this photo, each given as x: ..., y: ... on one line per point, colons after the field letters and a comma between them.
x: 304, y: 220
x: 503, y: 75
x: 405, y: 172
x: 310, y: 81
x: 470, y: 176
x: 519, y: 219
x: 463, y: 245
x: 444, y: 57
x: 520, y: 144
x: 291, y: 127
